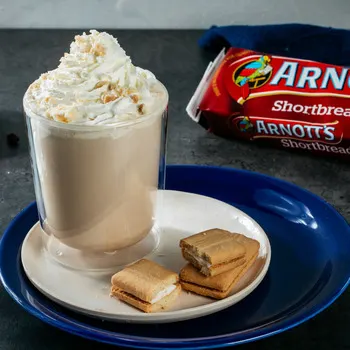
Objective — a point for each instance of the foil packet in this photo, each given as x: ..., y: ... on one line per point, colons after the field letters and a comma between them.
x: 285, y: 102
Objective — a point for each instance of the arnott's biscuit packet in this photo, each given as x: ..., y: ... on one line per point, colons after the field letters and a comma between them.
x: 291, y: 103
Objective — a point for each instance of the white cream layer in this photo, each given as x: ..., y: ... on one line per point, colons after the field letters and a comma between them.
x: 163, y: 293
x: 199, y: 260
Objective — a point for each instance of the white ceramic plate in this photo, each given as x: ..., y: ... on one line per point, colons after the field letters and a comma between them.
x: 179, y: 214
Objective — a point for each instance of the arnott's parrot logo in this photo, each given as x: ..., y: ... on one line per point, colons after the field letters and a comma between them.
x: 245, y: 125
x: 254, y: 73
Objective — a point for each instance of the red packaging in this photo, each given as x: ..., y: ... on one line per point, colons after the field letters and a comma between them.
x: 290, y: 103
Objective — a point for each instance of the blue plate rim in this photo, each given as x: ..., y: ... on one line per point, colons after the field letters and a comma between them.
x: 190, y: 343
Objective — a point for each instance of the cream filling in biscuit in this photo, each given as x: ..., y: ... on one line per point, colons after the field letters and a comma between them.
x: 163, y: 293
x: 199, y: 260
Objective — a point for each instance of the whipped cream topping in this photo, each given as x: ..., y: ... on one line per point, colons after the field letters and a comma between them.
x: 95, y: 83
x: 163, y: 293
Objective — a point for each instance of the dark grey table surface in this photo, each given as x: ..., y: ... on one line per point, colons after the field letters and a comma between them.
x: 178, y: 62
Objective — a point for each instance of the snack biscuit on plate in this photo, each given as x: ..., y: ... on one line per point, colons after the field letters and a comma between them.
x: 219, y: 286
x: 213, y: 251
x: 146, y: 285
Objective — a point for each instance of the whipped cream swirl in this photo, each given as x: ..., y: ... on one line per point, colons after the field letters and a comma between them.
x: 95, y: 83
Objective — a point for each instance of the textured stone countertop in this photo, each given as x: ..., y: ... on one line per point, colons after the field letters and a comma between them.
x: 176, y: 59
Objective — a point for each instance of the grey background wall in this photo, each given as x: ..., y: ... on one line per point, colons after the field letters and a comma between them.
x: 169, y: 13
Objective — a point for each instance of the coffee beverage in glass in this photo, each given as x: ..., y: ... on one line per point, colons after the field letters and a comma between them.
x: 97, y: 132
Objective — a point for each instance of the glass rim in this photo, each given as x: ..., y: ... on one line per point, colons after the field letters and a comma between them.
x: 81, y: 127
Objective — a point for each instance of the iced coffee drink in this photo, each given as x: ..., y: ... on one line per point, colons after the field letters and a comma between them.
x: 96, y: 130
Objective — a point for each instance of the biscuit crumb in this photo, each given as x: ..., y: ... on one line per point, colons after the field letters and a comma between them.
x: 62, y: 118
x: 100, y: 84
x: 111, y: 86
x: 131, y: 91
x: 134, y: 98
x: 109, y: 98
x: 99, y: 50
x: 140, y: 108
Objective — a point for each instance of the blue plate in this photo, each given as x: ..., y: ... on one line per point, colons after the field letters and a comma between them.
x: 310, y: 266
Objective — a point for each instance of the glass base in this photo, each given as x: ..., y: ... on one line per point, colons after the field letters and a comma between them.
x: 92, y: 261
